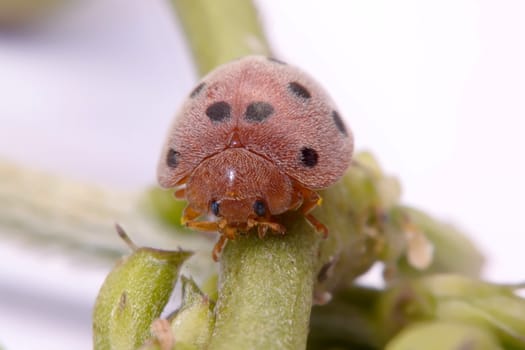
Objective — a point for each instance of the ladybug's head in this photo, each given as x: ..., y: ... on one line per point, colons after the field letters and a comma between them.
x: 237, y: 185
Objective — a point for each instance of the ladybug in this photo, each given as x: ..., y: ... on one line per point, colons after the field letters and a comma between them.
x: 255, y: 138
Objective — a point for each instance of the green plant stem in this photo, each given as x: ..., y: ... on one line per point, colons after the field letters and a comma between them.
x: 220, y: 31
x: 266, y: 290
x: 40, y: 209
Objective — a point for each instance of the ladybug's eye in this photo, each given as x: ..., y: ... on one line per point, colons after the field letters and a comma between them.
x: 259, y: 208
x: 215, y: 208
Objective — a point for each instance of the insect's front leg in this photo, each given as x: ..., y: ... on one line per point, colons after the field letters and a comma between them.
x: 226, y: 233
x: 190, y: 215
x: 311, y: 199
x: 207, y: 226
x: 188, y: 219
x: 217, y: 249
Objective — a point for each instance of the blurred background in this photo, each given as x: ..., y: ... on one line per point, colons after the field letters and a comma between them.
x: 435, y: 89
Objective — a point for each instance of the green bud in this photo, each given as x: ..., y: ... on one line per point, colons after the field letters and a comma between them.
x: 192, y: 324
x: 453, y: 252
x: 352, y: 211
x: 368, y: 186
x: 443, y: 336
x: 133, y: 295
x: 458, y: 286
x: 400, y: 305
x: 210, y: 287
x: 162, y: 337
x: 502, y: 315
x: 508, y: 314
x: 457, y: 298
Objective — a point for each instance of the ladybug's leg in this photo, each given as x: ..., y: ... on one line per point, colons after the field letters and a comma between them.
x: 319, y: 227
x: 180, y: 193
x: 274, y: 226
x: 207, y: 226
x: 261, y: 230
x: 226, y: 233
x: 189, y: 215
x: 188, y: 219
x: 311, y: 199
x: 263, y: 225
x: 217, y: 249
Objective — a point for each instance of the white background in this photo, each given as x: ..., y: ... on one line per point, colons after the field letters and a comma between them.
x: 435, y: 89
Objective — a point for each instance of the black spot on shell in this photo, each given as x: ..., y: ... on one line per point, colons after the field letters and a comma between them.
x: 218, y: 111
x: 309, y: 157
x: 214, y: 206
x: 197, y: 89
x: 258, y: 111
x: 275, y: 60
x: 259, y: 208
x: 299, y: 90
x: 172, y: 159
x: 339, y: 123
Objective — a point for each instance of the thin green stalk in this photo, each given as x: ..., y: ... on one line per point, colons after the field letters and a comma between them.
x: 266, y: 290
x: 40, y: 209
x: 220, y: 31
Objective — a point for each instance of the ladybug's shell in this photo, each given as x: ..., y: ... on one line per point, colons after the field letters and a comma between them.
x: 303, y: 118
